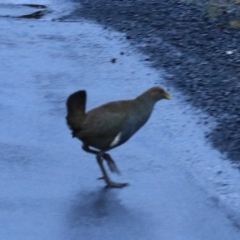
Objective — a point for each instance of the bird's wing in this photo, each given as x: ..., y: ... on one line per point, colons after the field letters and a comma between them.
x: 106, y: 120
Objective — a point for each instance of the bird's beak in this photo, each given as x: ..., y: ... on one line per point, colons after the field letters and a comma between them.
x: 168, y: 96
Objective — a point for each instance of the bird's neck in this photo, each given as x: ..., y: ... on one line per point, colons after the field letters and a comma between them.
x: 146, y: 101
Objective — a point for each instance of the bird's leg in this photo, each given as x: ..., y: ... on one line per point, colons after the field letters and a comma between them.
x: 108, y: 181
x: 89, y: 150
x: 111, y: 164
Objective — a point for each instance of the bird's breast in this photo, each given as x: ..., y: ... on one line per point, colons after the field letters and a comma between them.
x: 131, y: 126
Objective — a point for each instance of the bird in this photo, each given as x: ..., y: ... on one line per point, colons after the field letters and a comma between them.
x: 109, y: 125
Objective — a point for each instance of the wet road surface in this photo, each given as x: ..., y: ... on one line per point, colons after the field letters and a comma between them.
x: 49, y: 187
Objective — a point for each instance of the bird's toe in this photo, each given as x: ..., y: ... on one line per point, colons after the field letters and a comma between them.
x: 116, y: 185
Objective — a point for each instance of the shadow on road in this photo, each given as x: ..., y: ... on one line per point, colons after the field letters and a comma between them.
x: 94, y: 207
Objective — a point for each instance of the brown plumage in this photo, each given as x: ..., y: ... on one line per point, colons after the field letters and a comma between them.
x: 110, y: 125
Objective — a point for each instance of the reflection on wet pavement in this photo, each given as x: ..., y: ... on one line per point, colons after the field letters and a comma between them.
x: 103, y: 211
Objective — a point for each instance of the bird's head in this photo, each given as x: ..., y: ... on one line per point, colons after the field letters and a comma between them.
x: 157, y: 93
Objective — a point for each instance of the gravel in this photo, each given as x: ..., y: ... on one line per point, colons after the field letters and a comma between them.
x: 201, y: 55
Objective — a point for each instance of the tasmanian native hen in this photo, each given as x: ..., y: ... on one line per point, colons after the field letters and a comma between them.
x: 109, y: 125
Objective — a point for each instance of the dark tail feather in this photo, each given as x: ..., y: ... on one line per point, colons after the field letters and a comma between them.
x: 76, y: 108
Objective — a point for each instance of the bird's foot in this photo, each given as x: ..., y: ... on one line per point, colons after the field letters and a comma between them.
x: 111, y: 184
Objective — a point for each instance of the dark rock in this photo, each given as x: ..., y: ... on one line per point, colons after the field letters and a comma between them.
x: 35, y: 15
x: 34, y: 5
